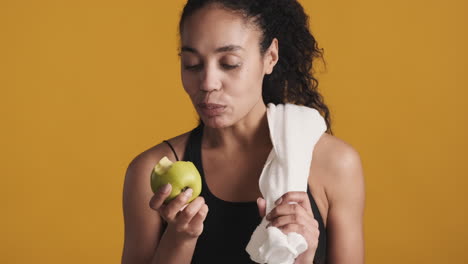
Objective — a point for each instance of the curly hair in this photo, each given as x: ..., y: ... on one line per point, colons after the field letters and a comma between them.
x: 292, y: 79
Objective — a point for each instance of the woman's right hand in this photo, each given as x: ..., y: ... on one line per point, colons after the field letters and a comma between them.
x: 184, y: 222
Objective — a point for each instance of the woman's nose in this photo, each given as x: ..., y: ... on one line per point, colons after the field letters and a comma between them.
x: 210, y: 79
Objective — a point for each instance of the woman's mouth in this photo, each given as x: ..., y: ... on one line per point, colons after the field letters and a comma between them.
x: 211, y: 110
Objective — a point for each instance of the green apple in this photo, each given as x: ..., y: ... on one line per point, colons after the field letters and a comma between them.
x: 180, y: 174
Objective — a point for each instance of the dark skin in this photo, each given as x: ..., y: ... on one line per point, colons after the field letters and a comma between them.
x: 293, y: 213
x: 239, y: 134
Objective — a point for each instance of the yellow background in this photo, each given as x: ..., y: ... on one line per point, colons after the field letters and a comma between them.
x: 87, y: 85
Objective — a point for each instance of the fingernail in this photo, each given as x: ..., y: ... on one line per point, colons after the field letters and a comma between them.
x: 279, y: 201
x: 188, y: 192
x: 164, y: 188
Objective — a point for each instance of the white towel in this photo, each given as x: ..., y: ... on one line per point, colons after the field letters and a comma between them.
x: 294, y: 131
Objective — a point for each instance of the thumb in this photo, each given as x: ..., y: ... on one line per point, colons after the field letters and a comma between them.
x: 261, y: 203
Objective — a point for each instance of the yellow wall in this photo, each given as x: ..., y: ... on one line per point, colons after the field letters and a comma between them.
x: 87, y: 85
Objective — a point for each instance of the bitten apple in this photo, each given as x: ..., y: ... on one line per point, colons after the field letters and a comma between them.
x: 180, y: 174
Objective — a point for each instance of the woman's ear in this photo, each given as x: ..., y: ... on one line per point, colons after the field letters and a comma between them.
x: 271, y: 57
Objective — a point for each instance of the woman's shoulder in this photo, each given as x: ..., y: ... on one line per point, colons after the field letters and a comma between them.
x: 144, y: 162
x: 335, y: 153
x: 339, y: 164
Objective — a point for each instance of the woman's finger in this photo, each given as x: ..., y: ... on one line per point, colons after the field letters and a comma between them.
x: 158, y: 198
x: 300, y: 229
x: 174, y: 206
x: 296, y: 197
x: 261, y: 204
x: 198, y: 219
x: 287, y: 209
x: 288, y: 219
x: 186, y: 215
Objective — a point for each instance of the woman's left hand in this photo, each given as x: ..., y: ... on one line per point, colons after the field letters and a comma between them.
x: 293, y: 213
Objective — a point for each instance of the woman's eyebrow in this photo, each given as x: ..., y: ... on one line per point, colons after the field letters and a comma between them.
x: 227, y: 48
x: 188, y: 49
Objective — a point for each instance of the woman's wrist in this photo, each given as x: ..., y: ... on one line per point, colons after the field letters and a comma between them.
x: 175, y: 249
x: 305, y: 258
x: 180, y: 239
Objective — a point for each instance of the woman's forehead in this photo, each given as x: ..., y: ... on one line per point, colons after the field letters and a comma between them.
x: 213, y: 27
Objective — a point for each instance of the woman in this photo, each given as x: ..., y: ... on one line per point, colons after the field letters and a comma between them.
x: 236, y: 57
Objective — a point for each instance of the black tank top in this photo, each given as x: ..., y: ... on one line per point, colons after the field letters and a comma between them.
x: 229, y: 225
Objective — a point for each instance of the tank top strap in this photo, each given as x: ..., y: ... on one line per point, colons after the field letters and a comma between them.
x: 193, y: 146
x: 172, y: 148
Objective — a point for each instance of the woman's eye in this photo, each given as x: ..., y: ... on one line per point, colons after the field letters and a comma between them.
x: 193, y: 67
x: 229, y: 66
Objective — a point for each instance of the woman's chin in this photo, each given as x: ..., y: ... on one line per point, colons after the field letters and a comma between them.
x: 215, y: 122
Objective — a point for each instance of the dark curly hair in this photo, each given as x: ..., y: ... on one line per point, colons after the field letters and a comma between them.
x: 292, y: 79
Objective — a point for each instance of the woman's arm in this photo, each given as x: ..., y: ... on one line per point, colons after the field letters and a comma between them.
x: 337, y: 167
x: 143, y: 226
x: 346, y: 196
x: 145, y: 242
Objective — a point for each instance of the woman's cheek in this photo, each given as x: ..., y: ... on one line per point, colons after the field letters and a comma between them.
x: 189, y: 84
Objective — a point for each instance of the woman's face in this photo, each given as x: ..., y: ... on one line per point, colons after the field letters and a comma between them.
x: 221, y: 65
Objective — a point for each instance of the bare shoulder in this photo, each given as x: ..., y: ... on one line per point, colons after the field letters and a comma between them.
x: 142, y: 224
x: 335, y: 153
x: 343, y: 182
x: 146, y: 160
x: 139, y: 169
x: 341, y: 165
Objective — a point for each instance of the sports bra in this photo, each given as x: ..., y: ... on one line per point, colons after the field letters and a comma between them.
x: 229, y: 225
